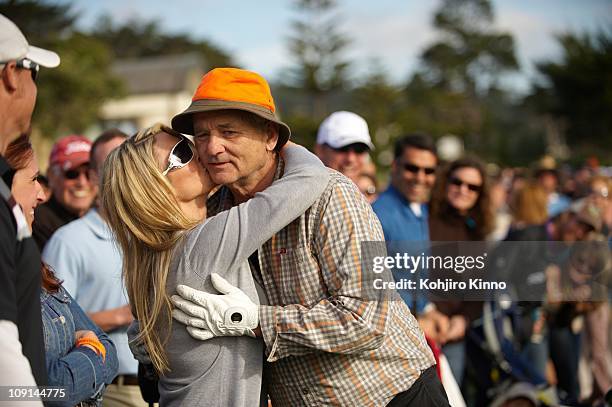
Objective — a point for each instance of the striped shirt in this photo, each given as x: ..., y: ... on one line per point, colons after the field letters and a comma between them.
x: 327, y: 344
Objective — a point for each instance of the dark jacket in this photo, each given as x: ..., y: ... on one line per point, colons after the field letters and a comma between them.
x: 20, y: 283
x: 49, y: 217
x: 452, y: 227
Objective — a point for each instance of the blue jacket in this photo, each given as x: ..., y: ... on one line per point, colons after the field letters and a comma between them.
x: 80, y: 370
x: 400, y: 226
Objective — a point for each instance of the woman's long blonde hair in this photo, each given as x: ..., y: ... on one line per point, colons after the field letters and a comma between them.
x: 140, y: 205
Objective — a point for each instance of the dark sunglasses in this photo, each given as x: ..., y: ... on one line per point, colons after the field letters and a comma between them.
x: 472, y: 187
x: 180, y: 155
x: 415, y: 169
x: 357, y: 148
x: 27, y: 64
x: 74, y: 174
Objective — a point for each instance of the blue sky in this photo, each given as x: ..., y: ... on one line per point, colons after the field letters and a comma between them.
x: 392, y: 32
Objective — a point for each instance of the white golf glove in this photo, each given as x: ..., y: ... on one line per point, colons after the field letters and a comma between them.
x: 210, y: 315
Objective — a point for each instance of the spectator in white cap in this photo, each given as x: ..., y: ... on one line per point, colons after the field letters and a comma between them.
x: 344, y: 143
x: 22, y: 349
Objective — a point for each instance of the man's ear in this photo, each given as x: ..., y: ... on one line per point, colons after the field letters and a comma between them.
x: 9, y: 76
x: 271, y: 136
x: 93, y: 175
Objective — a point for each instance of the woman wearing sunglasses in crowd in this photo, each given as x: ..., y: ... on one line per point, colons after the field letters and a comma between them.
x: 459, y: 211
x: 80, y: 357
x: 155, y: 192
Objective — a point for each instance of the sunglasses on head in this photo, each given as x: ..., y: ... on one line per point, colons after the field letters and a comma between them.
x: 415, y: 169
x: 180, y: 155
x: 357, y: 148
x: 27, y: 64
x: 74, y: 174
x: 458, y: 183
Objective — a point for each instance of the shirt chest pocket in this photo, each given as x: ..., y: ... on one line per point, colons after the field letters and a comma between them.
x: 58, y: 326
x: 298, y: 278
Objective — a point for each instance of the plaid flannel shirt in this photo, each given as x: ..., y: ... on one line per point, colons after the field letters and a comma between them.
x: 326, y: 344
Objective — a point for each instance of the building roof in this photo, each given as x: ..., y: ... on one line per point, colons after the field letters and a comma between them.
x: 160, y: 74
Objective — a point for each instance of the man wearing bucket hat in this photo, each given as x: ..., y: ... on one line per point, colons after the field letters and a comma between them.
x: 326, y: 341
x: 344, y: 143
x: 21, y: 339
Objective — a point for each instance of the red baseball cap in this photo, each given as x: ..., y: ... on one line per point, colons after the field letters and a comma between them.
x: 70, y: 152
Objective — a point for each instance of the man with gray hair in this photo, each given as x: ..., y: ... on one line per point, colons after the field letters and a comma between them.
x: 21, y: 337
x: 327, y: 339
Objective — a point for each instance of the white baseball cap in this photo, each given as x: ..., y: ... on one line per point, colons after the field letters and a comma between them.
x: 14, y: 46
x: 343, y: 128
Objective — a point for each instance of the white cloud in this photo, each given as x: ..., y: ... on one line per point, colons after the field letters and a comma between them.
x: 266, y: 59
x: 533, y: 36
x: 395, y: 39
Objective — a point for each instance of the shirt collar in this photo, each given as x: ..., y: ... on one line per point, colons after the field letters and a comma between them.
x: 97, y: 225
x: 398, y: 195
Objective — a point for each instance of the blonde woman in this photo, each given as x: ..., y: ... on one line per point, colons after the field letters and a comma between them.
x: 154, y: 192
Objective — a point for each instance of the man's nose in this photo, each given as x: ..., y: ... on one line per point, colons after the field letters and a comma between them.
x: 420, y: 176
x: 40, y: 193
x: 351, y: 157
x: 83, y: 178
x: 213, y: 146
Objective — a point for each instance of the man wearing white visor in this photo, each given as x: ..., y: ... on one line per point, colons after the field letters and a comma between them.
x: 22, y: 354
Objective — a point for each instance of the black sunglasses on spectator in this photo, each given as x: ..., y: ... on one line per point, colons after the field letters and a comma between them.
x: 415, y: 169
x: 27, y: 64
x: 472, y: 187
x: 74, y: 174
x: 357, y: 148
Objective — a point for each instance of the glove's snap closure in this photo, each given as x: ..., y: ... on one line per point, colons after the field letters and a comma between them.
x: 234, y: 316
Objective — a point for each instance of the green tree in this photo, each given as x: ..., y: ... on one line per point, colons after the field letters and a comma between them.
x: 42, y: 23
x: 577, y: 91
x: 136, y: 38
x: 459, y: 77
x: 69, y: 96
x: 380, y: 103
x: 377, y: 100
x: 471, y: 55
x: 317, y: 47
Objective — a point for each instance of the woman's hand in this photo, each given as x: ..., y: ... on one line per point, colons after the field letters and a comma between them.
x: 435, y: 325
x: 89, y: 340
x: 85, y: 334
x: 456, y: 329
